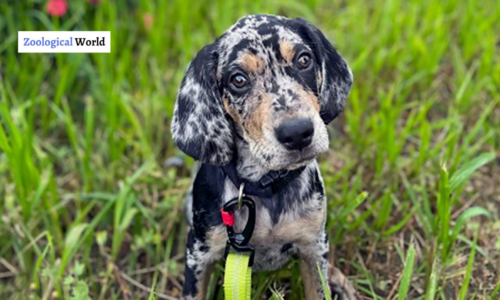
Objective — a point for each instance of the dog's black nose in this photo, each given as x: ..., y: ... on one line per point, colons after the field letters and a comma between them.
x: 295, y: 134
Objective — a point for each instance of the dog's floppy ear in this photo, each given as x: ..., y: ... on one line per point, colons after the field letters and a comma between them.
x: 199, y: 125
x: 336, y: 77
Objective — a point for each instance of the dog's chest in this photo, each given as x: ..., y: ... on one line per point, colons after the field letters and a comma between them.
x: 300, y: 224
x: 286, y: 225
x: 276, y: 241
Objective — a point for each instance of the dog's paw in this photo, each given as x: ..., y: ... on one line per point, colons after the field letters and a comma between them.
x: 340, y: 287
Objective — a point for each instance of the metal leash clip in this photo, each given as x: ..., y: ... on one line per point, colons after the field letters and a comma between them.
x: 239, y: 242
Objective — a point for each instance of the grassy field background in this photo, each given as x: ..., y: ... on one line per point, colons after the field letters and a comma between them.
x: 89, y: 210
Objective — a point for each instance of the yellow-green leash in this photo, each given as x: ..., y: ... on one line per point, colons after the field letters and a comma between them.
x: 237, y: 277
x: 239, y: 252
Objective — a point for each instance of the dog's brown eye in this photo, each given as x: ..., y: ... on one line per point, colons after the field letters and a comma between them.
x: 239, y: 81
x: 304, y: 61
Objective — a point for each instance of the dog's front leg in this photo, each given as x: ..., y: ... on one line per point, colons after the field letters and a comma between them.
x: 197, y: 271
x: 317, y: 256
x: 310, y: 272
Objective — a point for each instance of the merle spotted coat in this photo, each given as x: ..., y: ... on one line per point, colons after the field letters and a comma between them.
x: 260, y: 97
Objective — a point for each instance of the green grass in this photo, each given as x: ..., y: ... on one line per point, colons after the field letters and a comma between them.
x: 89, y: 211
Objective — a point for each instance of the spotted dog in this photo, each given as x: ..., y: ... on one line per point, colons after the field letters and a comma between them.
x: 254, y: 105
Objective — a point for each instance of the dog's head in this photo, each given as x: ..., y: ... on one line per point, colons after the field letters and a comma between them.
x: 276, y: 82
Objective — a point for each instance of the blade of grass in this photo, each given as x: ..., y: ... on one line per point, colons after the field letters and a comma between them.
x: 324, y: 284
x: 433, y: 280
x: 468, y: 271
x: 407, y: 273
x: 462, y: 174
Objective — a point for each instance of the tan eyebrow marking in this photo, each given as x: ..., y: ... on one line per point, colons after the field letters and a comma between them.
x: 251, y: 63
x: 287, y: 50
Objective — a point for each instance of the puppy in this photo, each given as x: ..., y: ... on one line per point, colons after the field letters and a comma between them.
x: 252, y: 109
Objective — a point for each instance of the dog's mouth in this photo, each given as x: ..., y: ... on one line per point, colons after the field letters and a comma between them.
x: 299, y: 159
x: 305, y: 158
